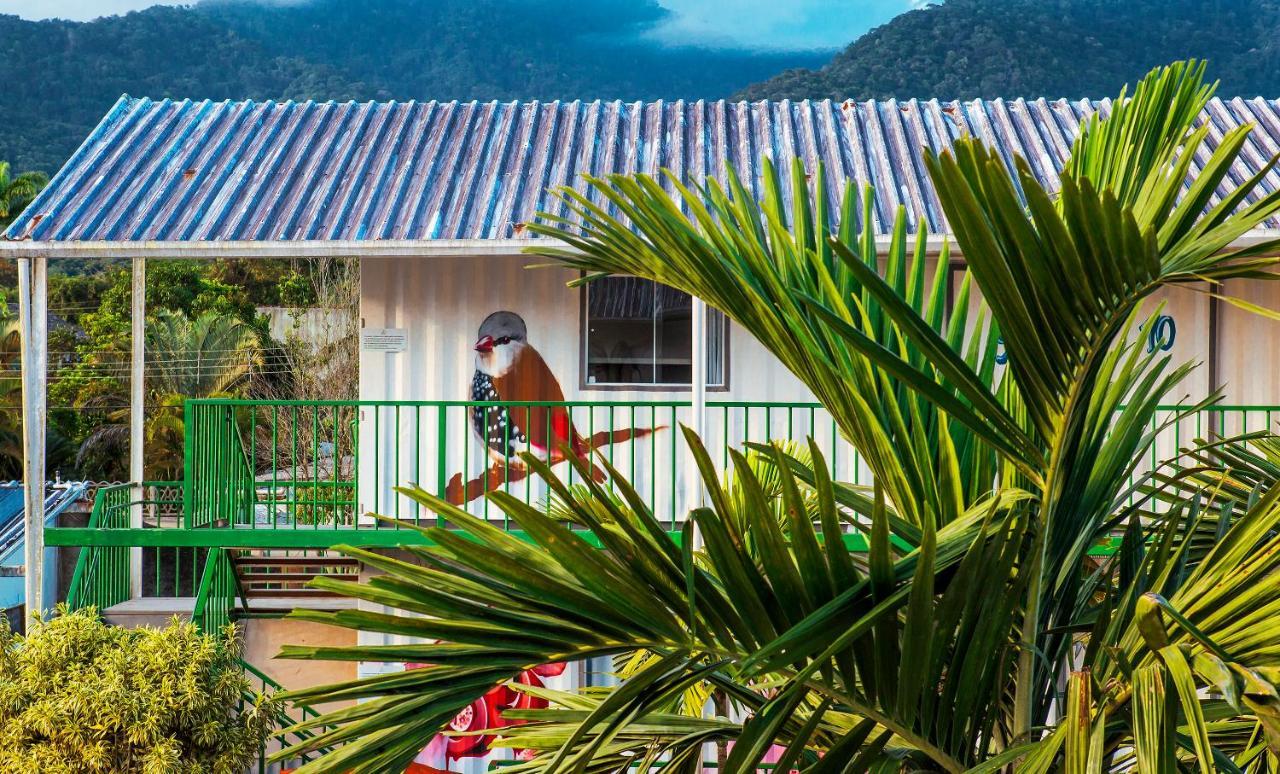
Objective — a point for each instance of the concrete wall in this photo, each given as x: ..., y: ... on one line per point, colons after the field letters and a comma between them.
x: 264, y: 637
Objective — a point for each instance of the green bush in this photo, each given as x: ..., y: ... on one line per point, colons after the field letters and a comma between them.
x: 78, y: 695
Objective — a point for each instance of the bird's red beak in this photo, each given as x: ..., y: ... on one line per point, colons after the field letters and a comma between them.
x: 485, y: 344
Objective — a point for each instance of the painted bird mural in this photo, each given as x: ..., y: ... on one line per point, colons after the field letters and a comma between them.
x: 510, y: 370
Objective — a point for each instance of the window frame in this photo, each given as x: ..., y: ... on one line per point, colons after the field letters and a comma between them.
x: 583, y: 367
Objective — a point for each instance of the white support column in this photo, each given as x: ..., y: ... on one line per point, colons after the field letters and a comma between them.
x: 698, y: 423
x: 698, y: 396
x: 137, y: 413
x: 33, y: 310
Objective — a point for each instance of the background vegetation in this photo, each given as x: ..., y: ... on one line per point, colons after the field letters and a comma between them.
x: 961, y: 49
x: 61, y: 77
x: 207, y: 336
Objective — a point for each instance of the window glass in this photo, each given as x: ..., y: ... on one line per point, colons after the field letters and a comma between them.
x: 637, y: 332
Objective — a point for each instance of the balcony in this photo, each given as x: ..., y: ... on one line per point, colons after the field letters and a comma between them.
x: 308, y: 474
x: 317, y: 466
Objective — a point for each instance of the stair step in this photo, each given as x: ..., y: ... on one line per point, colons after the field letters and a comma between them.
x: 284, y: 604
x: 297, y: 592
x: 286, y: 577
x: 149, y: 611
x: 298, y: 561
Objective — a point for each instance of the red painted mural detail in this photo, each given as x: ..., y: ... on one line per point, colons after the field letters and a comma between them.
x: 485, y: 714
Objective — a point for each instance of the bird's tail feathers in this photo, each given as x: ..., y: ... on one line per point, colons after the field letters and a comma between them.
x: 610, y: 437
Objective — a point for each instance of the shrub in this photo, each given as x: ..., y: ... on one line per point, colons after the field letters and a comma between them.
x: 79, y: 695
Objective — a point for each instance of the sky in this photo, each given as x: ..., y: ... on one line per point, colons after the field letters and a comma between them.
x: 771, y: 24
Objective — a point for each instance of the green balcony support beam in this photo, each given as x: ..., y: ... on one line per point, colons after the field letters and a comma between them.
x: 271, y: 538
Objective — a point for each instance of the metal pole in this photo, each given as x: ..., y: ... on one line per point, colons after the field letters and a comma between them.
x: 698, y: 396
x: 33, y: 312
x: 698, y: 423
x: 137, y: 413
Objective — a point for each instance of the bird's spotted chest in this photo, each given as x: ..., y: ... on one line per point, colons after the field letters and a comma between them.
x: 493, y: 423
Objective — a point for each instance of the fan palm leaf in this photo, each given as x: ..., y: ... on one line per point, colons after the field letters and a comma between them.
x: 978, y: 630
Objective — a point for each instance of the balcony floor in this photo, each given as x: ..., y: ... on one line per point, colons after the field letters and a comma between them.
x: 157, y: 611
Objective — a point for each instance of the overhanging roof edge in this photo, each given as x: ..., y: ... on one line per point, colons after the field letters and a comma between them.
x: 410, y: 248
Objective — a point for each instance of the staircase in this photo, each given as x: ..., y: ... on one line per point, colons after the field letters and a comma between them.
x: 276, y: 579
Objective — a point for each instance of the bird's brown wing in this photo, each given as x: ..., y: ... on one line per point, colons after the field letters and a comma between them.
x: 530, y: 379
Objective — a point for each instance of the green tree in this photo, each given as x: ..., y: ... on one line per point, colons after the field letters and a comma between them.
x: 205, y: 357
x: 978, y: 629
x: 188, y: 306
x: 17, y: 192
x: 78, y: 695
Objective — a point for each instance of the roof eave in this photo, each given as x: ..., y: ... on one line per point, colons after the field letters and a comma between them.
x: 407, y: 248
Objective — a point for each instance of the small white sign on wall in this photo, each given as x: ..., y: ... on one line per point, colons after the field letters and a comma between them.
x: 384, y: 339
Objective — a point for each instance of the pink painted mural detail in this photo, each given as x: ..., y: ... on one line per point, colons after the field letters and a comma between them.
x: 484, y: 714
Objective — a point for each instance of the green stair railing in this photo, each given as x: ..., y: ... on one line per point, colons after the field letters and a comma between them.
x: 289, y: 715
x: 218, y: 593
x: 219, y: 486
x: 101, y: 577
x: 103, y: 574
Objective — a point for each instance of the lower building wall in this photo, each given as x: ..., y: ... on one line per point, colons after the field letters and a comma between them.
x: 470, y: 755
x: 264, y: 638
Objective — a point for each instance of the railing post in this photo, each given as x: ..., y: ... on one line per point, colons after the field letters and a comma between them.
x: 442, y: 446
x: 137, y: 413
x: 698, y: 395
x: 188, y: 462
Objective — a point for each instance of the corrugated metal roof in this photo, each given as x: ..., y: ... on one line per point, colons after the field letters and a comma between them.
x: 269, y: 171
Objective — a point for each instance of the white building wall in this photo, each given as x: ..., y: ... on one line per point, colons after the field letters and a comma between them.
x: 1249, y: 348
x: 440, y: 302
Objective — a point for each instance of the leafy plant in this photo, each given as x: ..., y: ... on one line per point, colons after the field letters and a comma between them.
x: 203, y: 357
x: 77, y: 695
x: 979, y: 629
x: 17, y: 192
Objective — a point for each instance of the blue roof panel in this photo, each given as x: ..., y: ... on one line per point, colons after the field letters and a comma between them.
x: 193, y: 171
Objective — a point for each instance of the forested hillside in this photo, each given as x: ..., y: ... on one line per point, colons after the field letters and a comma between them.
x: 1050, y: 48
x: 60, y: 77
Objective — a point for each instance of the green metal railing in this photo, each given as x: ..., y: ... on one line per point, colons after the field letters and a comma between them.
x: 101, y: 577
x: 296, y: 465
x: 289, y: 715
x: 103, y: 574
x: 216, y: 599
x: 325, y: 464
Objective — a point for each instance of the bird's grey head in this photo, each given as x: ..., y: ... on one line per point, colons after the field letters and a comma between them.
x: 500, y: 325
x: 501, y: 337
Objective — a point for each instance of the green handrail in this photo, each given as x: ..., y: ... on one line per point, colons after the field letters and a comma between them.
x: 101, y: 577
x: 103, y: 574
x: 324, y: 464
x: 218, y: 592
x: 290, y: 716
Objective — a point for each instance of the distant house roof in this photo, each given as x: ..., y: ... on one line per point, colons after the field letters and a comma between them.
x: 12, y: 507
x: 280, y: 172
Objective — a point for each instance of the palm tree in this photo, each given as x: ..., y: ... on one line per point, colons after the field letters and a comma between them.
x: 978, y: 630
x: 17, y: 192
x: 204, y: 357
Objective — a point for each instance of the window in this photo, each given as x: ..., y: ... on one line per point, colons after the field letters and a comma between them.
x: 637, y: 333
